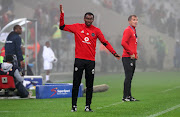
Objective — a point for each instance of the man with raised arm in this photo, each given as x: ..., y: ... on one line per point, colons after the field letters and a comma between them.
x: 85, y: 45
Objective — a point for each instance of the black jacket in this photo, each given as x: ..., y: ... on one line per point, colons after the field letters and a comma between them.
x: 13, y: 45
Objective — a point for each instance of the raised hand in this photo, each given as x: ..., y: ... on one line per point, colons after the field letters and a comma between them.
x: 61, y: 8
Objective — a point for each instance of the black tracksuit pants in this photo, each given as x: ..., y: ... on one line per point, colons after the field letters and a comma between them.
x: 89, y: 67
x: 21, y: 90
x: 129, y: 68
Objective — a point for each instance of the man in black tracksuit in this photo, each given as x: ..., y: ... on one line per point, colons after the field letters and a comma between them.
x: 13, y: 45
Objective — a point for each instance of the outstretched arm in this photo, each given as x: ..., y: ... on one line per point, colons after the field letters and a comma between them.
x: 107, y: 45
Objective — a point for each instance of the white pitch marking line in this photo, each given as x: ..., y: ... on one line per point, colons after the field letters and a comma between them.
x: 165, y: 111
x: 109, y: 105
x: 171, y: 89
x: 4, y: 111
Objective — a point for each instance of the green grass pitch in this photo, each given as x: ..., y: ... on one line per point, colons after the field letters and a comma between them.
x: 158, y: 92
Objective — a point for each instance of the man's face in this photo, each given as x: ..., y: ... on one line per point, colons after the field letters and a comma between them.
x: 88, y: 20
x: 48, y: 44
x: 133, y: 21
x: 18, y: 30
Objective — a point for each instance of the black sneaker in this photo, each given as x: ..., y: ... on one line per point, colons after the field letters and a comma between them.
x: 133, y: 99
x: 127, y: 99
x: 74, y: 108
x: 88, y: 109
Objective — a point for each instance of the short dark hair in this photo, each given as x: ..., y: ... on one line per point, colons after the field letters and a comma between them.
x: 15, y: 27
x: 130, y: 17
x: 47, y: 42
x: 89, y: 13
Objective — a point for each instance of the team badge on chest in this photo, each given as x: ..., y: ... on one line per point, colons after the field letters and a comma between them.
x: 93, y: 34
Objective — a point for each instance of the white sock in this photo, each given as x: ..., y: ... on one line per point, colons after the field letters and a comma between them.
x: 47, y: 77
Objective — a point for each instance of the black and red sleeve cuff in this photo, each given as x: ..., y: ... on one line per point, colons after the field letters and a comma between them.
x: 62, y: 27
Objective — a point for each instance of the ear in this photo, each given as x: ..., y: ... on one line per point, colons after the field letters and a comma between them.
x: 129, y: 22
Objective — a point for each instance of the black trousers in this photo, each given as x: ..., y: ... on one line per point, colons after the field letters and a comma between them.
x: 89, y: 67
x: 129, y: 68
x: 21, y: 90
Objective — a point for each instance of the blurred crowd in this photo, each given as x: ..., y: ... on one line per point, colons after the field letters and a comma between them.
x: 162, y: 15
x: 6, y: 12
x: 48, y: 30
